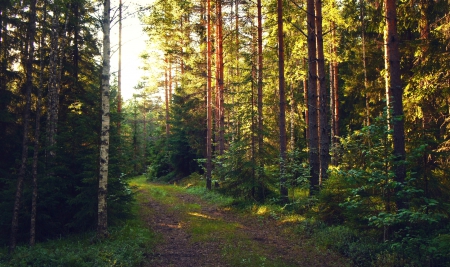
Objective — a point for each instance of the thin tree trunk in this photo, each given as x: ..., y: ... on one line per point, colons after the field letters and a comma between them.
x: 282, y: 116
x: 396, y: 89
x: 26, y: 121
x: 334, y: 98
x: 260, y: 84
x: 305, y: 100
x: 220, y: 78
x: 314, y: 162
x: 102, y: 226
x: 332, y: 145
x: 166, y: 95
x: 170, y: 80
x: 253, y: 123
x: 37, y: 136
x: 76, y: 42
x: 324, y: 139
x: 53, y: 96
x: 208, y: 98
x: 363, y: 40
x: 386, y: 80
x: 119, y: 72
x: 236, y: 26
x: 292, y: 119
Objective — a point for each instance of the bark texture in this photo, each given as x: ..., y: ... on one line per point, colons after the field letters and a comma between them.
x: 313, y: 133
x: 324, y: 138
x: 102, y: 226
x: 396, y: 90
x: 282, y: 116
x: 208, y: 98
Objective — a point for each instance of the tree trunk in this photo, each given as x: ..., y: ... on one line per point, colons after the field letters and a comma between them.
x: 220, y: 77
x: 314, y: 162
x: 334, y: 96
x: 119, y: 72
x: 236, y: 27
x: 166, y: 96
x: 36, y: 141
x: 305, y: 101
x: 396, y: 89
x: 26, y: 121
x: 53, y: 94
x: 208, y: 98
x: 260, y: 84
x: 363, y: 40
x: 102, y: 226
x: 324, y: 138
x: 282, y: 116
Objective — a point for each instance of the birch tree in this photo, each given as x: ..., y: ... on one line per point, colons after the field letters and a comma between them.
x: 102, y: 224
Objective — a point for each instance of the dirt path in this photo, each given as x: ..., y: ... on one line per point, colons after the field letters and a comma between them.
x: 194, y: 232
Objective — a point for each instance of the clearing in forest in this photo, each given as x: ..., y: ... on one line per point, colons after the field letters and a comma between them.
x: 196, y: 232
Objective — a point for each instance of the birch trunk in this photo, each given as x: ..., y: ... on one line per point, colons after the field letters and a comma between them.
x: 102, y: 226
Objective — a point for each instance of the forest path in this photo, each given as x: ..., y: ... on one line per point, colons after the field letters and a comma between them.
x: 194, y: 232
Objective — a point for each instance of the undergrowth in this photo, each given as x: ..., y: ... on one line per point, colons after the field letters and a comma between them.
x: 127, y: 245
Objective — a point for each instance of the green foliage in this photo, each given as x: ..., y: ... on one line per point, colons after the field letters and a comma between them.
x: 363, y: 250
x: 240, y: 176
x: 211, y: 196
x: 361, y: 193
x: 127, y: 245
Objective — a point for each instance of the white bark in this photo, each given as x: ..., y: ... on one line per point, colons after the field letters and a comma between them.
x: 102, y: 226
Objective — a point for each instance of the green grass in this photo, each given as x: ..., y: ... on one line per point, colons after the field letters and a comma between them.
x: 211, y: 196
x: 236, y: 247
x: 127, y: 245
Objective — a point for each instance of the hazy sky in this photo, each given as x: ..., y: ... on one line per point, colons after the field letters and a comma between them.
x: 133, y: 44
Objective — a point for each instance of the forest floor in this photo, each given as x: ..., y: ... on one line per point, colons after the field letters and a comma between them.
x: 195, y: 232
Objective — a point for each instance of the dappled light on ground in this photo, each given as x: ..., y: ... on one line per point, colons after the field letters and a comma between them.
x: 201, y: 215
x: 195, y: 232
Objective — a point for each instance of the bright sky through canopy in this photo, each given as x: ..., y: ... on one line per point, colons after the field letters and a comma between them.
x: 133, y: 44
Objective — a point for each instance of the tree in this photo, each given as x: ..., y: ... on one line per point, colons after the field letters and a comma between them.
x: 208, y: 97
x: 324, y: 140
x: 314, y: 161
x: 26, y: 122
x: 260, y: 81
x: 281, y: 88
x: 396, y: 90
x: 102, y: 225
x: 220, y: 79
x: 36, y: 141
